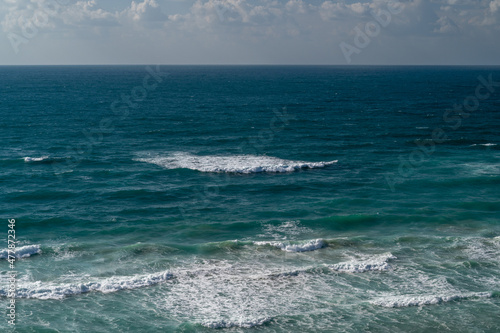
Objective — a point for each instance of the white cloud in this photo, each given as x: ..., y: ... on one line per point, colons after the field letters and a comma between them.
x: 274, y: 28
x: 494, y: 6
x: 80, y: 13
x: 144, y: 11
x: 417, y: 16
x: 446, y: 25
x: 86, y: 13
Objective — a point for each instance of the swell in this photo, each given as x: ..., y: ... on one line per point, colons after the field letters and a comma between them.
x: 288, y: 244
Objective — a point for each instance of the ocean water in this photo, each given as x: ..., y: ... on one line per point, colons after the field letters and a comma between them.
x: 252, y: 199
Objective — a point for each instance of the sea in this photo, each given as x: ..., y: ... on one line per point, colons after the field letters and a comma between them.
x: 250, y: 198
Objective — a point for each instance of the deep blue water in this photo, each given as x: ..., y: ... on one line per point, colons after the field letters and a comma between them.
x: 257, y: 198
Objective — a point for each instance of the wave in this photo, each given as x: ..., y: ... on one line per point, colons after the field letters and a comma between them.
x: 481, y: 169
x: 22, y: 252
x: 58, y: 251
x: 241, y: 324
x: 484, y: 144
x: 62, y: 251
x: 63, y: 289
x: 244, y: 164
x: 44, y: 159
x: 42, y: 290
x: 306, y: 246
x: 380, y: 263
x: 420, y: 300
x: 35, y: 159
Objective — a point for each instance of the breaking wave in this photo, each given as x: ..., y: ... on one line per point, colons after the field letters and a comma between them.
x: 380, y: 263
x: 42, y: 290
x: 244, y: 164
x: 22, y: 252
x: 420, y: 300
x: 310, y: 245
x: 241, y: 324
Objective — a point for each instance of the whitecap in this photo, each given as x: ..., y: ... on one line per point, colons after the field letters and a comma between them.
x: 306, y: 246
x: 35, y: 159
x: 241, y: 324
x: 51, y: 290
x: 232, y: 163
x: 420, y: 300
x: 380, y: 263
x: 22, y: 252
x: 484, y: 144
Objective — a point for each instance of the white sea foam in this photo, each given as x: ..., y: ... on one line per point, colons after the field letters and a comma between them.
x: 242, y: 324
x: 286, y: 230
x: 482, y: 169
x: 420, y: 300
x: 310, y: 245
x: 484, y: 144
x: 22, y: 252
x: 380, y: 263
x: 232, y: 164
x: 35, y: 159
x: 42, y: 290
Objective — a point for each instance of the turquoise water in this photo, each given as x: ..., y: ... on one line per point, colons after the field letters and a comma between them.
x: 273, y: 199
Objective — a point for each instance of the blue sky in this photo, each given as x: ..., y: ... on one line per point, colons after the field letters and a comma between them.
x: 439, y: 32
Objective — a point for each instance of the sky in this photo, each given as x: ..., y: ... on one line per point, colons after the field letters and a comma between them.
x: 371, y: 32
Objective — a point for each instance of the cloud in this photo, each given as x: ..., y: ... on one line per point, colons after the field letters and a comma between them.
x: 85, y: 13
x: 264, y: 29
x: 446, y: 26
x: 265, y: 17
x: 78, y: 14
x: 148, y: 10
x: 494, y: 6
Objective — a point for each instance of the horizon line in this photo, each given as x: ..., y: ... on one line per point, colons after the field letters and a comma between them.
x: 303, y: 65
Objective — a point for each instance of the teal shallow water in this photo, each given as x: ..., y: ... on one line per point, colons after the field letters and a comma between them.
x: 251, y: 199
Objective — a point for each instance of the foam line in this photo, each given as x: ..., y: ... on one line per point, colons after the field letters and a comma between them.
x: 244, y: 164
x: 380, y: 263
x: 420, y: 300
x: 42, y: 290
